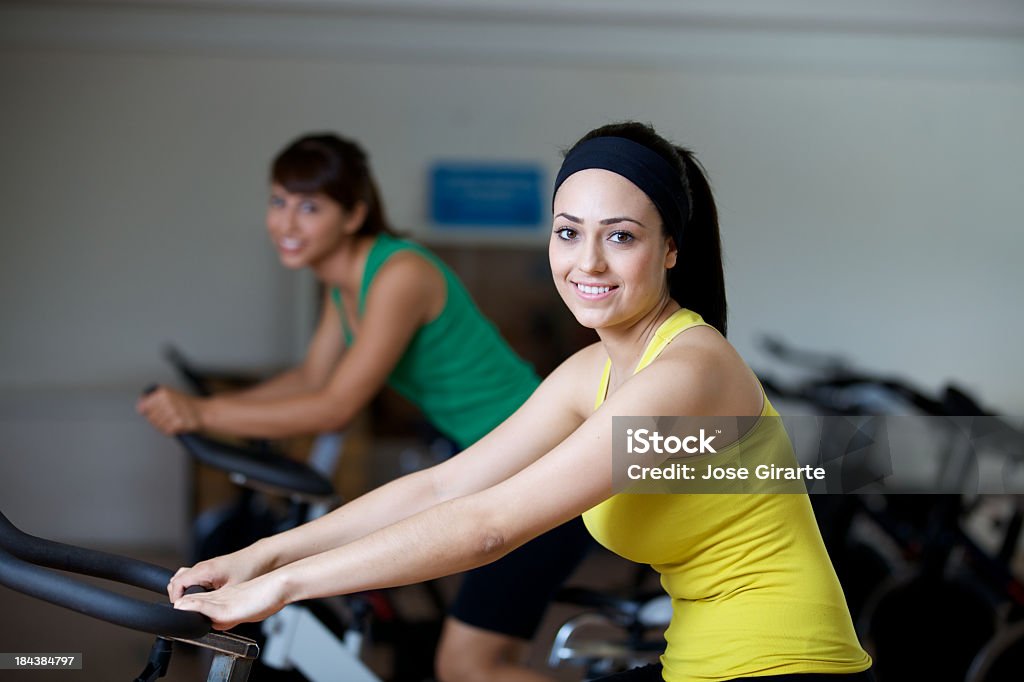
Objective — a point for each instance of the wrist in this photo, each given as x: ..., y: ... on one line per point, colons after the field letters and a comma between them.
x: 286, y: 586
x: 201, y: 408
x: 263, y: 554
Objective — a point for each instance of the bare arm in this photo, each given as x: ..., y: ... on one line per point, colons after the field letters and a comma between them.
x: 480, y: 527
x: 402, y: 298
x: 286, y: 383
x: 535, y: 428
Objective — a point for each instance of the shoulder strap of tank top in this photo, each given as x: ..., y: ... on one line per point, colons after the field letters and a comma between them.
x: 345, y: 329
x: 602, y: 390
x: 383, y: 248
x: 680, y: 321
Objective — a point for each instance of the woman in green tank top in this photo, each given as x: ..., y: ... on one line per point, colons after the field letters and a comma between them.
x: 392, y: 313
x: 635, y: 254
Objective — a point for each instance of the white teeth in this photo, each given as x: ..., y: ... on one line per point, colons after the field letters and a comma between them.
x: 290, y: 243
x: 593, y: 290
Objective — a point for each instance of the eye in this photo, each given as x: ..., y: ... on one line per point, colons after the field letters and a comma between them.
x: 276, y: 201
x: 565, y: 233
x: 308, y: 206
x: 621, y: 237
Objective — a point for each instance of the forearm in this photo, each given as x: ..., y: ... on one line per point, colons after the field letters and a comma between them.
x: 376, y: 509
x: 448, y: 538
x: 288, y: 383
x: 296, y: 415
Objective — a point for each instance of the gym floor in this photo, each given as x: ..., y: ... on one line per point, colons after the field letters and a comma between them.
x: 112, y: 653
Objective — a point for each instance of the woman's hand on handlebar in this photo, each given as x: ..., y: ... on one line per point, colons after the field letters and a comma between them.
x: 223, y: 571
x: 245, y: 602
x: 170, y: 411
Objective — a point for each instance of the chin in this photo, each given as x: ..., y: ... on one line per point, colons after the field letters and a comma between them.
x: 292, y: 262
x: 589, y: 320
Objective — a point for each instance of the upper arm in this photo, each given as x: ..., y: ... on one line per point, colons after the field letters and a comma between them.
x: 401, y: 299
x: 577, y: 473
x: 549, y: 415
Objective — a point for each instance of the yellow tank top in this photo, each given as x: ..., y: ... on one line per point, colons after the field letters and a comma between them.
x: 753, y: 590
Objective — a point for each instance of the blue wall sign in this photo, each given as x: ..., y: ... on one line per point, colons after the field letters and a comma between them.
x: 505, y: 195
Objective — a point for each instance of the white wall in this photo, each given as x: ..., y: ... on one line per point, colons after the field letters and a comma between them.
x: 867, y: 165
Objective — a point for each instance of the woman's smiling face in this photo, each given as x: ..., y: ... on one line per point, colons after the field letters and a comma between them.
x: 608, y: 250
x: 307, y: 228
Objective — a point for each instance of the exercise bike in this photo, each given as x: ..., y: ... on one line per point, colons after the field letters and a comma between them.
x: 612, y: 634
x: 253, y: 514
x: 940, y: 591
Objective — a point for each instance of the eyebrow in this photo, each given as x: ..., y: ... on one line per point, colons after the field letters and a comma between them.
x: 302, y: 195
x: 606, y: 221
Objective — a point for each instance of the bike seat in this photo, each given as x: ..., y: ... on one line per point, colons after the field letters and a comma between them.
x: 258, y: 468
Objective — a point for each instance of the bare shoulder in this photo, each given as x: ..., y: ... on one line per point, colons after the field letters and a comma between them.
x: 413, y: 281
x: 575, y: 382
x: 707, y: 374
x: 409, y: 264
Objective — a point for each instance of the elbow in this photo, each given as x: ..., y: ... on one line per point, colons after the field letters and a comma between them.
x: 334, y: 414
x: 489, y: 545
x: 492, y: 539
x: 482, y: 529
x: 492, y: 545
x: 333, y: 424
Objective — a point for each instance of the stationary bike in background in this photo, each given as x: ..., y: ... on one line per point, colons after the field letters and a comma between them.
x: 613, y: 633
x: 252, y: 514
x: 321, y: 639
x: 928, y: 600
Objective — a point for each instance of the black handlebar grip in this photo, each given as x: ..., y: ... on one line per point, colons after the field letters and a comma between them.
x: 81, y: 560
x: 70, y: 593
x: 26, y: 560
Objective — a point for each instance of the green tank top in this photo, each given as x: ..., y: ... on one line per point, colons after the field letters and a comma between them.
x: 457, y: 368
x: 753, y: 590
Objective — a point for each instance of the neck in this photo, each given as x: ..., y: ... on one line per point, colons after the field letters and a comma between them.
x: 625, y: 344
x: 343, y: 267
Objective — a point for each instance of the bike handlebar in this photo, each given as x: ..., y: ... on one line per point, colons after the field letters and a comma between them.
x: 26, y: 564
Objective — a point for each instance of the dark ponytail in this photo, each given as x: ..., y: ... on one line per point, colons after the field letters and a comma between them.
x: 697, y: 281
x: 337, y: 167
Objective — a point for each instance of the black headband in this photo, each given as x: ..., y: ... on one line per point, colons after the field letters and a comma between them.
x: 645, y: 168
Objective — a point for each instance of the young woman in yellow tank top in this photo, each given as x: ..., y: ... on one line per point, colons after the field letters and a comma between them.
x: 635, y: 254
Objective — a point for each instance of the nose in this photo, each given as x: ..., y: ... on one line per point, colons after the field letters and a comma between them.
x: 281, y: 220
x: 592, y: 256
